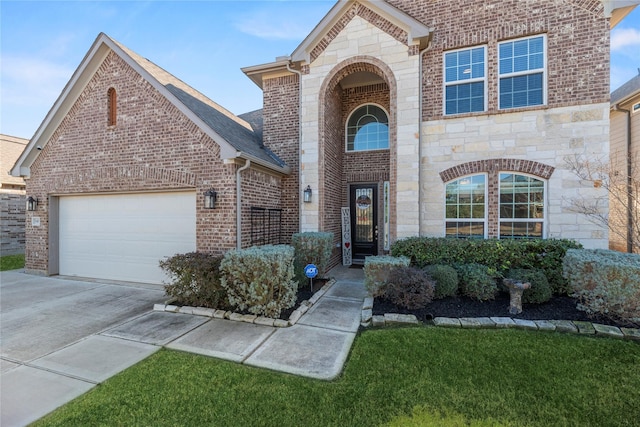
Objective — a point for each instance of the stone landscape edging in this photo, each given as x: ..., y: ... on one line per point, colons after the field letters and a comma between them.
x: 248, y: 318
x: 576, y: 327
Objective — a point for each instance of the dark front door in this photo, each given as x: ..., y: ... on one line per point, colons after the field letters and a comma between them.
x: 364, y: 221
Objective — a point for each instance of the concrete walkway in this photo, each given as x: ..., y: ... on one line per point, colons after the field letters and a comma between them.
x: 60, y: 337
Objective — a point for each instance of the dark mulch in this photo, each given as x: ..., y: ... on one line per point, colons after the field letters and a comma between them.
x: 558, y: 308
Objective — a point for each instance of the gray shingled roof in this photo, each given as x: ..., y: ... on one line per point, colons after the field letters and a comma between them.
x: 238, y: 132
x: 628, y: 89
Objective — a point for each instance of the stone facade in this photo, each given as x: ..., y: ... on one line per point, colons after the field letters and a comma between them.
x: 12, y: 197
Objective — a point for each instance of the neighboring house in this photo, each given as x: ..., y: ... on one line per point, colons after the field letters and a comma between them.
x: 625, y: 164
x: 12, y: 197
x: 432, y: 118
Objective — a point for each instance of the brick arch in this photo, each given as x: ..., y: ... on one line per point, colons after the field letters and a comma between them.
x: 495, y: 165
x: 331, y: 182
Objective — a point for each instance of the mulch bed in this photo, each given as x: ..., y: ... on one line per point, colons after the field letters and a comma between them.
x: 558, y: 308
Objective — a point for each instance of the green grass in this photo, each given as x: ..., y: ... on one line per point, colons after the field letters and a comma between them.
x: 421, y: 376
x: 11, y: 262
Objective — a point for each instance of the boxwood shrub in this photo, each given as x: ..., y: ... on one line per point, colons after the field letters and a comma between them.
x: 311, y: 248
x: 540, y: 290
x: 501, y: 255
x: 477, y: 281
x: 446, y: 280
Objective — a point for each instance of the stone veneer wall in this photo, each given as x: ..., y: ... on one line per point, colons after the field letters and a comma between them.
x: 12, y: 218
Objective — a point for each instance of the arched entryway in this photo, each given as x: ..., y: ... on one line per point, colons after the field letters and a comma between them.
x: 357, y: 167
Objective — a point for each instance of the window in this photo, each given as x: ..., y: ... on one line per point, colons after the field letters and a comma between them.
x: 465, y: 74
x: 465, y: 207
x: 521, y: 206
x: 368, y: 129
x: 111, y: 107
x: 522, y: 72
x: 636, y: 108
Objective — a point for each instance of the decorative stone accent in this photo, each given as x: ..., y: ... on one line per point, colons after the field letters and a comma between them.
x: 525, y: 324
x: 545, y: 325
x: 235, y: 316
x: 585, y: 328
x: 609, y: 331
x: 185, y: 309
x: 219, y: 314
x: 368, y: 303
x: 377, y: 321
x: 391, y: 318
x: 631, y: 334
x: 248, y: 318
x: 476, y: 322
x: 516, y: 288
x: 295, y: 316
x: 367, y: 315
x: 201, y: 311
x: 279, y: 323
x: 564, y: 326
x: 159, y: 307
x: 265, y: 321
x: 503, y: 322
x: 304, y: 308
x: 447, y: 322
x: 172, y: 308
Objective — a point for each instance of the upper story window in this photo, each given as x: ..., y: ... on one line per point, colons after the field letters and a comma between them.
x: 465, y: 80
x: 636, y: 108
x: 111, y: 107
x: 368, y: 129
x: 521, y: 206
x: 522, y: 69
x: 465, y: 207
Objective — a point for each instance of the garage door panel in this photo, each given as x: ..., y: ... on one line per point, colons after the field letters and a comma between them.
x: 123, y: 237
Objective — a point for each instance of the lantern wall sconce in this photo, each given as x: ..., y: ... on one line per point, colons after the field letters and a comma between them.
x: 210, y: 197
x: 32, y: 203
x: 307, y: 194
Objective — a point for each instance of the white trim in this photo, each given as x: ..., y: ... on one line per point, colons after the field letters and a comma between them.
x: 485, y: 220
x: 542, y: 70
x: 346, y: 128
x: 446, y: 84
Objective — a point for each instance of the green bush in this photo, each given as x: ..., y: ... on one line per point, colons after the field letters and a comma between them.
x: 408, y: 287
x: 446, y: 278
x: 477, y: 281
x: 540, y: 290
x: 376, y: 271
x: 605, y: 282
x: 311, y: 248
x: 260, y: 279
x: 501, y: 255
x: 195, y: 280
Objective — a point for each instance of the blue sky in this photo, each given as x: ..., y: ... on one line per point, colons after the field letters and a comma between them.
x: 204, y: 43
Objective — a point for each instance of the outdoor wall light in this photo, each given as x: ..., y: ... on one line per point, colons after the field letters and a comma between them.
x: 210, y: 197
x: 307, y: 194
x: 32, y: 204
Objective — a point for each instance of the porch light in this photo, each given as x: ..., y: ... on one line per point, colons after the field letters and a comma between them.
x: 32, y: 204
x: 307, y: 194
x: 210, y: 197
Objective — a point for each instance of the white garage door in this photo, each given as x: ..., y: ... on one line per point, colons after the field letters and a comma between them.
x: 122, y: 237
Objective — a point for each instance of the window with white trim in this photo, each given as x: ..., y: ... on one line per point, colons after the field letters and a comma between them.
x: 521, y: 206
x: 465, y: 206
x: 522, y: 72
x: 368, y: 129
x: 465, y: 80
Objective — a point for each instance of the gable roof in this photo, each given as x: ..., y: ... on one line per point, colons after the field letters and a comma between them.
x: 234, y: 135
x: 627, y: 91
x: 10, y: 149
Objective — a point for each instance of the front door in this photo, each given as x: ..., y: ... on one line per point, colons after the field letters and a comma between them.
x: 364, y: 221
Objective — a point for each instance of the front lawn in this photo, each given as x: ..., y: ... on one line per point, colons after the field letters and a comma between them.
x: 11, y: 262
x: 410, y: 376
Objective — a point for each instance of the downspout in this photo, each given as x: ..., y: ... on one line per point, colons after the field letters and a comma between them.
x: 239, y: 204
x: 420, y: 105
x: 299, y: 73
x: 629, y: 181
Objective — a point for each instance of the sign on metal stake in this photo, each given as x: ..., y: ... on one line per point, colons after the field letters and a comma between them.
x: 311, y: 271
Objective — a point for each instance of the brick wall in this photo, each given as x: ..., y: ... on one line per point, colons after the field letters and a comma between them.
x: 259, y: 189
x: 576, y: 31
x: 12, y: 217
x: 281, y: 135
x: 152, y: 147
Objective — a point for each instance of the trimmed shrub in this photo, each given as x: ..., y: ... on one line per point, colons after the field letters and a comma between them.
x: 446, y: 278
x: 376, y: 271
x: 605, y: 282
x: 260, y: 279
x: 501, y: 255
x: 540, y: 290
x: 477, y: 281
x: 195, y: 280
x: 408, y: 287
x: 311, y: 248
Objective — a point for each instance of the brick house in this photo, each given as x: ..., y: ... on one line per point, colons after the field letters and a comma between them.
x: 625, y: 160
x: 419, y: 117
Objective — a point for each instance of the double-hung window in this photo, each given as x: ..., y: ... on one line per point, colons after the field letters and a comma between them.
x: 465, y: 207
x: 522, y: 69
x: 521, y: 206
x: 465, y: 80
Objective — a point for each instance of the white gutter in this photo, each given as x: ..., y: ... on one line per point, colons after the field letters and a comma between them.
x: 239, y: 204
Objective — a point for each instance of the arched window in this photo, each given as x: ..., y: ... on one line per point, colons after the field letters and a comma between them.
x: 466, y: 207
x: 368, y: 129
x: 521, y: 206
x: 111, y: 107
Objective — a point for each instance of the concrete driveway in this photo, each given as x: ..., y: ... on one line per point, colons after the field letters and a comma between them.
x: 49, y: 347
